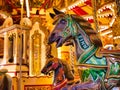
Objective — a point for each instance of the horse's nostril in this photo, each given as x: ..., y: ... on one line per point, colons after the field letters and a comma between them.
x: 51, y: 38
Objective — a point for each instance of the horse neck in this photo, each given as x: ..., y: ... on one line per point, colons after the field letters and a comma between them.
x: 83, y: 44
x: 59, y: 75
x: 65, y: 73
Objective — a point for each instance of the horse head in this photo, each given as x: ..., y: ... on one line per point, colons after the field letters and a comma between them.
x: 61, y: 32
x: 67, y: 27
x: 61, y: 70
x: 50, y: 65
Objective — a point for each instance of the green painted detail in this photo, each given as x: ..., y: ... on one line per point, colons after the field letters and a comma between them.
x: 94, y: 73
x: 87, y: 54
x: 70, y: 25
x: 97, y: 61
x: 115, y: 69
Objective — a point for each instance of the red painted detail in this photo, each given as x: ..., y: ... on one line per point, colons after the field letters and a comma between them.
x: 91, y: 20
x: 88, y: 2
x: 79, y: 11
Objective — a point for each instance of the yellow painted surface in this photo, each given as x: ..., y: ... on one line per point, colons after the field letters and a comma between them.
x: 104, y: 21
x: 32, y: 83
x: 88, y: 9
x: 37, y: 83
x: 41, y: 80
x: 14, y: 83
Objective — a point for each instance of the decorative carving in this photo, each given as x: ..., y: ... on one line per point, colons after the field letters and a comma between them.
x: 26, y: 22
x: 8, y: 22
x: 36, y: 53
x: 116, y: 27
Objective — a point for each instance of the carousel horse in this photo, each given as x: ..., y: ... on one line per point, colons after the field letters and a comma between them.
x: 87, y: 43
x: 63, y: 75
x: 5, y: 80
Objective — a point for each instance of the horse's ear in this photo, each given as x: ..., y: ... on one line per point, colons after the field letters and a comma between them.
x: 57, y: 11
x: 52, y: 15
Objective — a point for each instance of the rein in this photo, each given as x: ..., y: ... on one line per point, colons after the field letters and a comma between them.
x: 60, y: 85
x: 60, y: 71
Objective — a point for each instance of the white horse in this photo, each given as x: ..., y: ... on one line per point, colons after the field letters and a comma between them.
x: 5, y: 80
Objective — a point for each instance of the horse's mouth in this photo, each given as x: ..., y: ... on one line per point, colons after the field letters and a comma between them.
x: 59, y: 42
x: 44, y: 72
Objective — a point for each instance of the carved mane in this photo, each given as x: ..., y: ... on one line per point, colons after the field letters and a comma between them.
x: 86, y: 26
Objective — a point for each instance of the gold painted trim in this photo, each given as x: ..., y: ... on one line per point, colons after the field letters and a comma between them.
x: 36, y: 53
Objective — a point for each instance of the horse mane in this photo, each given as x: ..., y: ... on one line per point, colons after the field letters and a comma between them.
x: 67, y: 70
x: 86, y: 26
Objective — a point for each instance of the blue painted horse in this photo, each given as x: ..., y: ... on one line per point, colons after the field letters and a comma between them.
x: 78, y: 31
x: 5, y: 80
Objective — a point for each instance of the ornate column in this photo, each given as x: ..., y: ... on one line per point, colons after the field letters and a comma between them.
x: 6, y: 56
x: 25, y: 45
x: 37, y: 50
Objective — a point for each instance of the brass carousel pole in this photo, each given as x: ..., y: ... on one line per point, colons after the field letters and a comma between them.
x: 116, y: 25
x: 95, y: 18
x: 94, y: 4
x: 66, y: 5
x: 95, y: 15
x: 20, y: 60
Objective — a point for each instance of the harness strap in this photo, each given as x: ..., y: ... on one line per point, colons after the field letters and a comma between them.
x: 57, y: 87
x: 87, y: 54
x: 70, y: 26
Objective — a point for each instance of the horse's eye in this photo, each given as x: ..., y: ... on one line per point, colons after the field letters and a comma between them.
x: 63, y: 21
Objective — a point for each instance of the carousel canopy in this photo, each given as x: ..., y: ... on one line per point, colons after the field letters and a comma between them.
x: 100, y: 13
